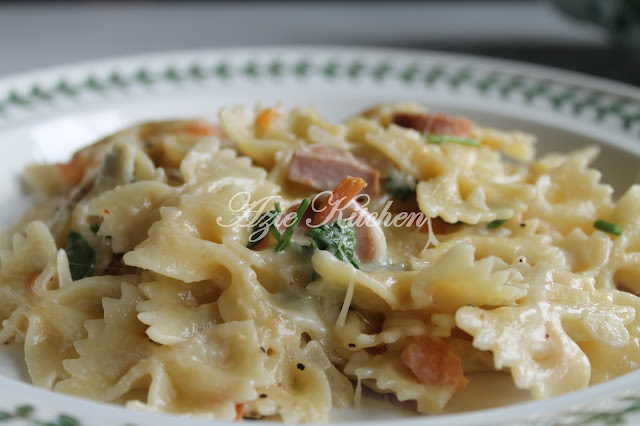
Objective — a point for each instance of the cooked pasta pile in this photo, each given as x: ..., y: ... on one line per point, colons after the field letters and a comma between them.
x: 159, y: 268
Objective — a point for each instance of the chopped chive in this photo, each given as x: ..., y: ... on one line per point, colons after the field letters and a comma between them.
x: 496, y: 223
x: 267, y: 220
x: 95, y: 228
x: 273, y: 229
x: 288, y: 233
x: 453, y: 139
x: 610, y: 227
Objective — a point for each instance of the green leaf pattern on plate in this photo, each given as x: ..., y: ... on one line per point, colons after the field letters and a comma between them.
x: 569, y: 98
x: 26, y: 415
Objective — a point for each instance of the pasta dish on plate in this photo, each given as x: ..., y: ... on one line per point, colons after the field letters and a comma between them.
x: 275, y: 264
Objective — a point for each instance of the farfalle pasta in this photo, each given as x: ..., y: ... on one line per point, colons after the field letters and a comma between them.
x: 274, y: 264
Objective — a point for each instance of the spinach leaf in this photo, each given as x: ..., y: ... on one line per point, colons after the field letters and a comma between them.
x: 82, y: 258
x: 338, y: 238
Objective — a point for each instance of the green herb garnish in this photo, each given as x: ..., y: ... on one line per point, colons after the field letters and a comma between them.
x: 266, y: 223
x: 82, y: 258
x: 95, y: 228
x: 338, y: 238
x: 610, y: 227
x: 454, y: 139
x: 285, y: 239
x: 397, y: 189
x: 496, y: 223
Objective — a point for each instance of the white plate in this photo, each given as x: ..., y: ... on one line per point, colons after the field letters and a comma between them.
x: 45, y: 115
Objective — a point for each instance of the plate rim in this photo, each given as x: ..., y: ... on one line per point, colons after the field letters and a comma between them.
x: 622, y: 89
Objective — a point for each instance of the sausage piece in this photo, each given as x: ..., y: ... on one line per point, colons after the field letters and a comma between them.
x: 434, y: 363
x: 322, y: 167
x: 436, y: 124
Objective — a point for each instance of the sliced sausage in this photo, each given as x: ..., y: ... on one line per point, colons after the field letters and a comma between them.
x: 434, y: 363
x: 322, y: 167
x: 436, y: 124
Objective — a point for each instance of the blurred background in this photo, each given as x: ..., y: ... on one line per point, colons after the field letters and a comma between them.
x: 598, y: 37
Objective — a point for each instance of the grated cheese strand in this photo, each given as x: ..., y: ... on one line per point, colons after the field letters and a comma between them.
x: 432, y: 237
x: 346, y: 304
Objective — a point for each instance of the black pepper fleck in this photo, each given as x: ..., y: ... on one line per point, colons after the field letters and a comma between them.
x: 352, y: 345
x: 264, y: 351
x: 263, y: 395
x: 300, y: 367
x: 522, y: 225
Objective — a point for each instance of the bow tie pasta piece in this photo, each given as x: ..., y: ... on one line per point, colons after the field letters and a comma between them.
x: 52, y: 320
x: 530, y: 341
x: 282, y: 319
x: 113, y: 346
x: 173, y: 250
x: 276, y: 271
x: 263, y: 133
x: 587, y: 313
x: 207, y: 166
x: 514, y: 144
x: 569, y: 193
x: 47, y: 309
x: 35, y: 244
x: 177, y: 311
x: 306, y: 388
x: 54, y: 324
x: 386, y: 373
x: 38, y: 247
x: 511, y: 244
x: 517, y: 145
x: 456, y: 280
x: 605, y: 323
x: 361, y: 330
x: 584, y: 253
x: 408, y: 151
x: 471, y: 198
x: 623, y: 268
x: 342, y: 392
x: 623, y: 214
x: 245, y: 298
x: 338, y: 277
x: 128, y: 212
x: 184, y: 242
x: 613, y: 359
x: 220, y: 365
